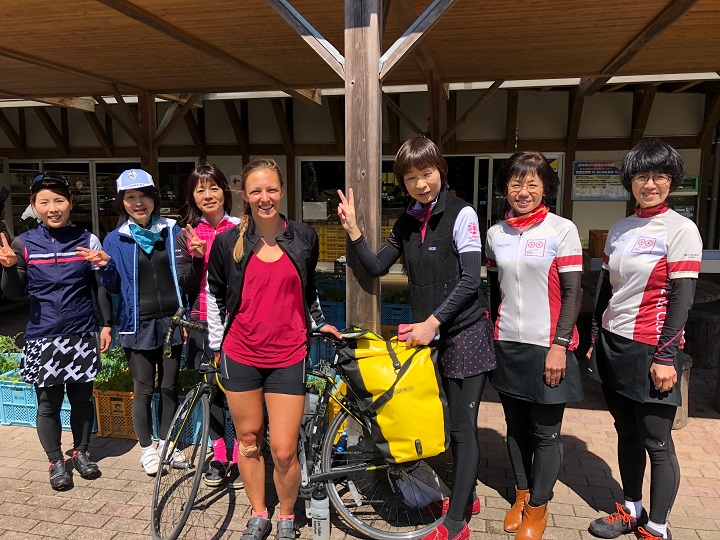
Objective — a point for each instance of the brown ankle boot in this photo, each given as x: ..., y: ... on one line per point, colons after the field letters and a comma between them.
x: 533, y: 521
x: 513, y: 518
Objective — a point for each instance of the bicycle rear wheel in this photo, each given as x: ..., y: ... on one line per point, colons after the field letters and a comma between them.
x: 177, y: 482
x: 364, y: 489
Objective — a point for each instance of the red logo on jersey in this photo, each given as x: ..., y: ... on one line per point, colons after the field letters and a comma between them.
x: 535, y: 248
x: 473, y: 231
x: 644, y: 245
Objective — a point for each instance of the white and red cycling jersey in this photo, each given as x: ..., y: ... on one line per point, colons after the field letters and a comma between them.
x: 528, y: 267
x: 642, y: 255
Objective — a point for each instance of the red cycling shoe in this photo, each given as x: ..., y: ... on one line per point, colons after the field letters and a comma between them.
x: 440, y: 508
x: 441, y: 533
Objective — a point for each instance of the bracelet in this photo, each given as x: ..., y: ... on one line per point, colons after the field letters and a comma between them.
x: 319, y: 326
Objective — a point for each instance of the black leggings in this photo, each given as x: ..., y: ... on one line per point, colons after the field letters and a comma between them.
x: 533, y: 441
x: 646, y: 427
x: 463, y: 397
x: 49, y: 426
x: 142, y: 367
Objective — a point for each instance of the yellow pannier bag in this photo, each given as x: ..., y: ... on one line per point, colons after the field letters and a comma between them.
x: 398, y: 389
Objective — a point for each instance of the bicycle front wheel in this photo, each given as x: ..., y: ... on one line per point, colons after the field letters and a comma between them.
x: 181, y: 467
x: 364, y: 488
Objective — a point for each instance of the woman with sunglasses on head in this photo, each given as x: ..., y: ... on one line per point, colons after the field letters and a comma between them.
x: 534, y: 261
x: 56, y: 265
x: 144, y: 273
x: 439, y: 238
x: 650, y: 266
x: 209, y: 203
x: 262, y: 308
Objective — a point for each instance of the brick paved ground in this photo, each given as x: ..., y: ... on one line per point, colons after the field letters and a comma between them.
x: 116, y: 505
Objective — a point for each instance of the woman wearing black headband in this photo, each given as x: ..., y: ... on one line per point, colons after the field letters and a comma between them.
x: 55, y: 264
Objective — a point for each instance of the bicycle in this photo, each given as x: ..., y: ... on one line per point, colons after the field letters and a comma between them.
x: 362, y: 486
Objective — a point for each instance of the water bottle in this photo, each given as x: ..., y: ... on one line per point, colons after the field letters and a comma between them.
x: 320, y: 508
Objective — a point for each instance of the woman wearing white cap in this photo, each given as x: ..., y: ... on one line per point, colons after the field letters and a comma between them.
x: 143, y: 272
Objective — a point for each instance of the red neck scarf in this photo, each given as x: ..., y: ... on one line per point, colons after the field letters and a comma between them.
x: 526, y: 221
x: 651, y: 211
x: 422, y: 214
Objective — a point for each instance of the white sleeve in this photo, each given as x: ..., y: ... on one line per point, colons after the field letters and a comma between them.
x: 489, y: 253
x: 684, y: 251
x: 569, y: 250
x: 216, y: 326
x: 95, y: 244
x: 466, y: 232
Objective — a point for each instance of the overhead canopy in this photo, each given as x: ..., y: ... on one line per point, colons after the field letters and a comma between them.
x: 83, y: 47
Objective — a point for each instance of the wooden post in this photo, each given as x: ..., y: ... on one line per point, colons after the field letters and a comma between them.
x: 363, y: 140
x: 147, y: 120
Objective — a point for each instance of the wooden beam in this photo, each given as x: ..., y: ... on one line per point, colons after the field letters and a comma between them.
x: 109, y: 128
x: 131, y: 118
x: 192, y: 127
x: 147, y: 122
x: 363, y: 143
x: 393, y: 121
x: 79, y: 103
x: 712, y: 116
x: 167, y: 128
x: 511, y: 120
x: 451, y: 117
x: 614, y: 87
x: 385, y: 16
x: 100, y: 133
x: 62, y: 68
x: 395, y: 107
x: 283, y: 125
x: 52, y: 129
x: 642, y: 104
x: 241, y: 136
x: 337, y: 119
x: 9, y: 130
x: 575, y: 109
x: 22, y: 126
x: 672, y: 12
x: 65, y: 126
x: 405, y: 15
x: 132, y: 133
x: 435, y: 101
x: 472, y: 110
x: 679, y: 88
x: 180, y: 98
x: 164, y: 27
x: 168, y: 116
x: 410, y: 39
x: 705, y: 179
x: 312, y: 37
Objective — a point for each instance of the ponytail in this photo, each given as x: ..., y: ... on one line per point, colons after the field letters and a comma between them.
x: 239, y: 249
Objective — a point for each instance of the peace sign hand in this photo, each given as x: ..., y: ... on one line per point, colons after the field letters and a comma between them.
x: 96, y: 257
x: 346, y: 212
x: 196, y: 245
x: 7, y: 255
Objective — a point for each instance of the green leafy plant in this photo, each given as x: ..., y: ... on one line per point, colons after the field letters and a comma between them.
x: 9, y: 350
x: 115, y: 372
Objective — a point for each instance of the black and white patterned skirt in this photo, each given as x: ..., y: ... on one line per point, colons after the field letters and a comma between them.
x: 72, y: 358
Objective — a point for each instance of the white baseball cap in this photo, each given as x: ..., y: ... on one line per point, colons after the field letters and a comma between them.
x: 134, y: 179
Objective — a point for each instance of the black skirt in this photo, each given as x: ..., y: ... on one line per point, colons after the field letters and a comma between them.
x: 623, y: 365
x: 150, y: 335
x: 468, y: 353
x: 520, y: 373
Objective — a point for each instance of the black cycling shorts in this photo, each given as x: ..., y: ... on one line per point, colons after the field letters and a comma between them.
x: 237, y: 377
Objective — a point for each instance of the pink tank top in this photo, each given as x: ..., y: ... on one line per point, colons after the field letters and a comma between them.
x: 269, y: 329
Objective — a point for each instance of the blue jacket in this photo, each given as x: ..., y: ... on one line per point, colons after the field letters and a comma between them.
x: 60, y: 284
x: 119, y: 276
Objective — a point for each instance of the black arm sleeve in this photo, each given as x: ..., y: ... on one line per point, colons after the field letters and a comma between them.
x: 603, y: 293
x: 104, y: 301
x: 14, y: 278
x: 495, y: 296
x: 571, y: 301
x: 682, y: 292
x: 466, y: 288
x: 378, y: 265
x: 189, y: 267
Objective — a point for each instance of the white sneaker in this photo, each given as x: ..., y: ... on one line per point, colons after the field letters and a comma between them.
x: 150, y: 462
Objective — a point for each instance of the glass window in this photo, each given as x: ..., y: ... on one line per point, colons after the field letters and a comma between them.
x: 20, y: 176
x: 173, y: 186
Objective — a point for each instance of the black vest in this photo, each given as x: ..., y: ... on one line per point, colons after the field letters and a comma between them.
x: 433, y: 265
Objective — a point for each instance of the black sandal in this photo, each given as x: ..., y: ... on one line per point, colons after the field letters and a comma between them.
x: 258, y: 528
